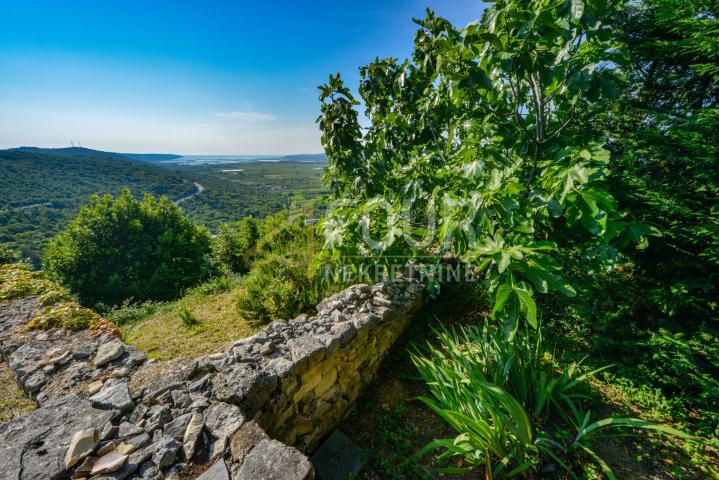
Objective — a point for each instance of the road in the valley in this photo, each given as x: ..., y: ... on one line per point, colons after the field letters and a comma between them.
x: 199, y: 188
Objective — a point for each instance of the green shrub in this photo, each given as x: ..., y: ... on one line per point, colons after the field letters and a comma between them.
x: 187, y: 318
x: 7, y: 255
x: 234, y: 245
x: 282, y: 281
x: 123, y: 248
x: 216, y: 285
x: 512, y: 411
x: 129, y: 313
x: 17, y: 281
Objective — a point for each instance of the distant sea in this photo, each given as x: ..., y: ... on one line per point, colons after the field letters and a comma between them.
x: 219, y: 159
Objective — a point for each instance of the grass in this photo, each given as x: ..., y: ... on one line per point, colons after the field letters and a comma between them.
x: 201, y: 322
x: 390, y: 424
x: 13, y: 400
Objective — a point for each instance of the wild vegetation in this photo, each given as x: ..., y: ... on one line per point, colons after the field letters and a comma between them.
x: 125, y: 249
x: 40, y: 193
x: 36, y: 206
x: 544, y: 149
x: 562, y: 154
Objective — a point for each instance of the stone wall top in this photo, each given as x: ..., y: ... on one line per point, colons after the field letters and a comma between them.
x: 107, y: 412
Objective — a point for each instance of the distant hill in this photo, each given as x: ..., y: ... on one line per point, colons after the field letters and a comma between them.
x: 88, y: 152
x: 42, y: 189
x: 151, y: 157
x: 305, y: 157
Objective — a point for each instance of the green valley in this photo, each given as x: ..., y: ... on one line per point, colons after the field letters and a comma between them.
x: 42, y: 189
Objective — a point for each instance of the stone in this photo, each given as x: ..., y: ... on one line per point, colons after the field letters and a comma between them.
x: 108, y: 431
x: 82, y: 444
x: 218, y: 471
x: 157, y: 417
x: 201, y: 384
x: 128, y: 429
x: 306, y: 350
x: 176, y: 428
x: 126, y: 448
x: 138, y: 441
x: 199, y: 402
x: 223, y: 419
x: 244, y: 384
x: 33, y: 446
x: 108, y: 352
x: 134, y: 463
x: 338, y: 458
x: 113, y: 395
x: 166, y: 377
x: 81, y: 352
x: 272, y: 459
x: 35, y: 381
x: 245, y: 439
x: 193, y: 435
x: 109, y: 462
x: 83, y: 470
x: 165, y: 452
x: 94, y: 387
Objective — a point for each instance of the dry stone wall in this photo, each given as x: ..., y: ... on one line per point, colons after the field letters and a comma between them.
x: 250, y: 411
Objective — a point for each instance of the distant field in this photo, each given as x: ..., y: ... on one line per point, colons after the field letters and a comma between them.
x: 41, y: 193
x: 236, y: 190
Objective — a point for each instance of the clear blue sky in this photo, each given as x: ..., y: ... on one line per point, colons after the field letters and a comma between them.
x: 189, y: 76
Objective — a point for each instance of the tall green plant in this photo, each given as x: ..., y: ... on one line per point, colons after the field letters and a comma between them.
x: 473, y: 134
x: 509, y: 406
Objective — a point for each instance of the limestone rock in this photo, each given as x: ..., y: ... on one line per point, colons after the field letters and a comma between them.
x: 128, y: 429
x: 193, y: 435
x: 162, y: 378
x: 244, y: 384
x: 218, y: 471
x: 111, y: 461
x: 338, y: 458
x: 81, y: 445
x: 113, y: 395
x: 108, y: 352
x: 176, y: 428
x: 165, y: 452
x: 223, y: 419
x: 33, y: 446
x: 274, y: 460
x: 245, y: 439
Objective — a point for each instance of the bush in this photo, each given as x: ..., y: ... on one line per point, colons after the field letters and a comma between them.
x: 130, y: 313
x: 7, y: 255
x: 282, y: 282
x: 216, y: 285
x: 123, y: 248
x: 233, y: 247
x: 67, y: 315
x: 187, y: 318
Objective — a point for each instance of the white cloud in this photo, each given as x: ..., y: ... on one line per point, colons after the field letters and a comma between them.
x: 248, y: 117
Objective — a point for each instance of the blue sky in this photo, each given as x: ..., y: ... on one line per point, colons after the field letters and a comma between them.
x: 191, y: 77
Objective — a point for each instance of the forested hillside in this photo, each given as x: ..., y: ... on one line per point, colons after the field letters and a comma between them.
x: 41, y: 190
x: 40, y: 193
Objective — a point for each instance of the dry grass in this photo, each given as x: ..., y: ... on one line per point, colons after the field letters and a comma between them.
x: 13, y: 400
x: 163, y: 335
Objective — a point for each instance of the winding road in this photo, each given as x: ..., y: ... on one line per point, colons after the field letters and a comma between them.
x: 199, y: 188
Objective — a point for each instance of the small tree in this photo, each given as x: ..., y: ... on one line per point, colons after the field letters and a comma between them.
x: 7, y: 255
x: 123, y: 248
x: 478, y: 131
x: 234, y: 245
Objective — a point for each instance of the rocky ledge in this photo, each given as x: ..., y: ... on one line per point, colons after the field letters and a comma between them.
x: 106, y: 412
